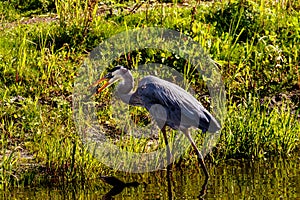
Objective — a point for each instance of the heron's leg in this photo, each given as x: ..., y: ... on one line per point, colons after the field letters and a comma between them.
x: 169, y: 154
x: 200, y: 157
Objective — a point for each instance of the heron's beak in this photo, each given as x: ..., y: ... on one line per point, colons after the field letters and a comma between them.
x: 106, y: 84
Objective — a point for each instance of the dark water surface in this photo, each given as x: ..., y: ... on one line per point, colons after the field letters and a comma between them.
x: 232, y: 180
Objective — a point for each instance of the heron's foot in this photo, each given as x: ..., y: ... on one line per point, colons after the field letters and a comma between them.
x: 203, y: 188
x: 170, y: 167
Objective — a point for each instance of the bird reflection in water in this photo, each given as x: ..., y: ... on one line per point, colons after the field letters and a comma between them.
x: 171, y: 185
x: 118, y: 186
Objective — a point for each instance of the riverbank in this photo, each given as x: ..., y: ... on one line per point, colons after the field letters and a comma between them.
x: 254, y: 43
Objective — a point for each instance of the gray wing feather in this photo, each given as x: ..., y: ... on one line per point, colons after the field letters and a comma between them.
x: 182, y: 108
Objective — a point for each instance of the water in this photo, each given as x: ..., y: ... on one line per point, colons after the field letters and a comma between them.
x: 232, y: 180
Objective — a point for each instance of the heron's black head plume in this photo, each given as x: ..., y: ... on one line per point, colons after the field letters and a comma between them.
x: 117, y: 68
x: 109, y: 74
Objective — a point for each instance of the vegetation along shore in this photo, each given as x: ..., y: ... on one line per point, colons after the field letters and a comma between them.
x: 43, y: 43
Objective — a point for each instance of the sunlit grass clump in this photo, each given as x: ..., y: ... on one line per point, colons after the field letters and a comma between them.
x: 258, y: 130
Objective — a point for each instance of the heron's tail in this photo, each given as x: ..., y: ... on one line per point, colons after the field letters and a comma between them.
x: 214, y: 125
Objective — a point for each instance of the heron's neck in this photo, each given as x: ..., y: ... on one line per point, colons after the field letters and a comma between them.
x: 124, y: 88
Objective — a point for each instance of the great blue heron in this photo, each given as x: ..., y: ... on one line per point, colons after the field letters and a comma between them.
x: 180, y: 109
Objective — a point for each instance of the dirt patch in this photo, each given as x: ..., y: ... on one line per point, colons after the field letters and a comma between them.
x: 291, y: 97
x: 32, y: 20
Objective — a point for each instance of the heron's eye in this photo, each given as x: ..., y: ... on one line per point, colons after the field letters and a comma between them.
x: 109, y: 75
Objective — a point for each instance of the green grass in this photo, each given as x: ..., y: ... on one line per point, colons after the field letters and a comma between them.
x: 258, y: 130
x: 255, y: 44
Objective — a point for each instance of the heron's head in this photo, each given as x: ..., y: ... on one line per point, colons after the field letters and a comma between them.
x: 111, y: 77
